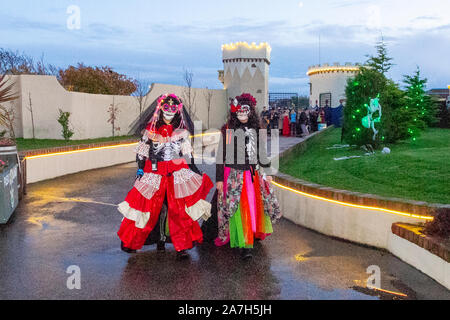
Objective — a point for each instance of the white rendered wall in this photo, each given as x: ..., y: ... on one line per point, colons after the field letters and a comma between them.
x: 50, y: 167
x: 251, y: 80
x: 89, y: 111
x: 364, y: 226
x: 332, y: 82
x: 421, y: 259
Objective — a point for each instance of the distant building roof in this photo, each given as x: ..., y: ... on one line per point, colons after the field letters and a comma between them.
x: 441, y: 93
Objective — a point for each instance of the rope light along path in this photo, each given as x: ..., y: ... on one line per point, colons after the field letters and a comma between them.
x: 106, y: 147
x: 406, y: 214
x: 80, y: 150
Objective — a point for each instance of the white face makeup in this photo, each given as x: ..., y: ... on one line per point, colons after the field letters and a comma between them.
x: 243, y: 113
x: 242, y: 117
x: 168, y: 116
x: 169, y: 111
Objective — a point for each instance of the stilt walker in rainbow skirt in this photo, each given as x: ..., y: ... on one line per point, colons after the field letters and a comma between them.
x: 246, y: 204
x: 168, y: 196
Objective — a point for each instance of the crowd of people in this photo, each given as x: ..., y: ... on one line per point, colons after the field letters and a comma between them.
x: 301, y: 122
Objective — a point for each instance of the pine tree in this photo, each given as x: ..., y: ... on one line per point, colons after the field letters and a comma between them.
x: 366, y: 85
x: 381, y: 62
x: 419, y: 104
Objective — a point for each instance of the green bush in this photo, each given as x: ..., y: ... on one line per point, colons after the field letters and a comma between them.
x: 404, y: 113
x: 63, y: 120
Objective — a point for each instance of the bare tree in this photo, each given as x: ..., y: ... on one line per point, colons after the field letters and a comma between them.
x: 141, y: 95
x: 20, y: 63
x: 189, y: 94
x: 42, y: 68
x: 208, y: 98
x: 30, y: 108
x: 113, y: 110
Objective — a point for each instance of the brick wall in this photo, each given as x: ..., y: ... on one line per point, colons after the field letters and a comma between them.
x: 414, y: 234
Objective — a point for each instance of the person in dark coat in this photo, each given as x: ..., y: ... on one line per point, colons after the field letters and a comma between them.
x: 327, y: 111
x: 274, y: 116
x: 336, y: 115
x: 313, y: 115
x: 245, y: 205
x: 303, y: 123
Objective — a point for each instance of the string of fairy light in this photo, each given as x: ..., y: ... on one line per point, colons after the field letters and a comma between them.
x: 416, y: 96
x: 357, y: 115
x: 415, y: 99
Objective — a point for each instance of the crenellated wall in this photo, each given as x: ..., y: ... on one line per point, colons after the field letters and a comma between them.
x: 332, y: 79
x: 246, y: 69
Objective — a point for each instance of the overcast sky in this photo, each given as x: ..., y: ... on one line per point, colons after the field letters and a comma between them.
x: 156, y: 39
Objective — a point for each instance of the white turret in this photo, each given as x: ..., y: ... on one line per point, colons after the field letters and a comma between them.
x: 328, y: 83
x: 246, y: 70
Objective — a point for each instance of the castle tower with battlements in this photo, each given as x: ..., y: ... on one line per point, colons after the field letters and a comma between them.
x: 246, y: 70
x: 328, y: 83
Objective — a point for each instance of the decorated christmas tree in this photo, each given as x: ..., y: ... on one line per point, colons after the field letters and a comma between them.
x: 421, y: 107
x: 394, y: 115
x: 367, y: 85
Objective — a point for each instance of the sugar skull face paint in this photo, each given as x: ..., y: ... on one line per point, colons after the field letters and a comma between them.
x: 169, y: 110
x: 168, y: 106
x: 241, y: 106
x: 243, y: 112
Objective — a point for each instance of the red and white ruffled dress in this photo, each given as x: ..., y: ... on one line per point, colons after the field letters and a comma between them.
x: 184, y: 190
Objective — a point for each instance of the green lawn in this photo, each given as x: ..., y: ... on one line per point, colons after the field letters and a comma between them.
x: 29, y: 144
x: 417, y: 170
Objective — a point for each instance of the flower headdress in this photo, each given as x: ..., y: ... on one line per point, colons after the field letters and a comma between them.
x: 170, y: 104
x: 243, y: 103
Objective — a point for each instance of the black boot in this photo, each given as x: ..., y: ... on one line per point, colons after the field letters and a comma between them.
x: 246, y: 253
x: 161, y: 246
x: 182, y: 255
x: 125, y: 249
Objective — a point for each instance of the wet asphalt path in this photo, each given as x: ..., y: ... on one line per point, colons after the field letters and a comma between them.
x: 73, y: 220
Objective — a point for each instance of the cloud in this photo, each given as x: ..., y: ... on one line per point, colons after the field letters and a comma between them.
x: 14, y: 23
x: 287, y: 84
x: 441, y: 28
x: 104, y: 30
x: 160, y: 50
x: 425, y: 18
x: 348, y: 3
x: 232, y: 28
x: 288, y: 81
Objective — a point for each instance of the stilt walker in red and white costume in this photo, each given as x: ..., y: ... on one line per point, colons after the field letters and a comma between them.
x: 168, y: 196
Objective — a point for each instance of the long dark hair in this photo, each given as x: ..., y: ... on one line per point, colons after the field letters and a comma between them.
x: 177, y: 119
x: 253, y: 120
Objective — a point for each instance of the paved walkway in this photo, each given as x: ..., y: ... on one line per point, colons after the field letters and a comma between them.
x: 73, y: 220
